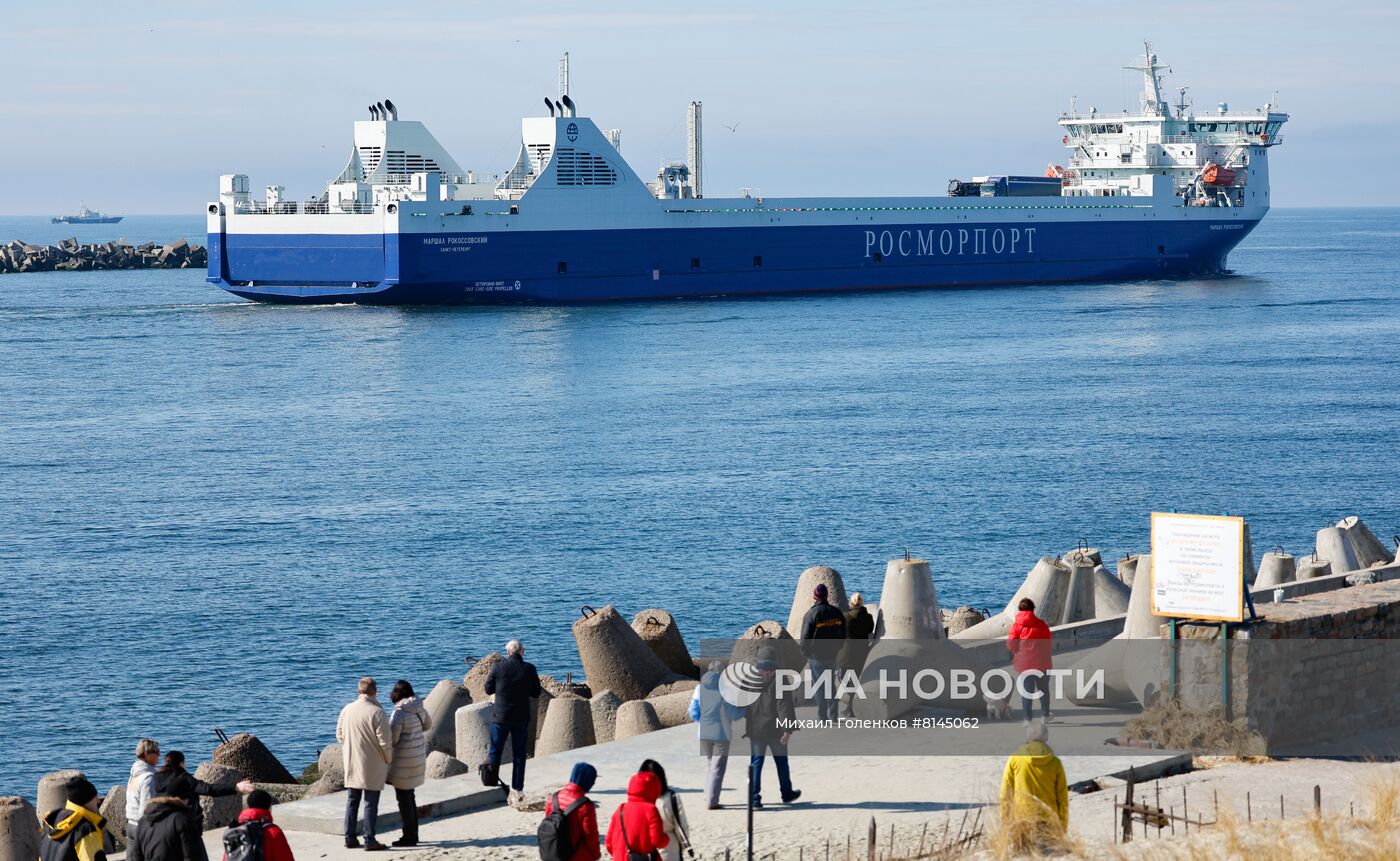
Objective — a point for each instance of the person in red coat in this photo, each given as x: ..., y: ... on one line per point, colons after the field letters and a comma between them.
x: 639, y: 818
x: 582, y: 824
x: 258, y: 807
x: 1030, y: 644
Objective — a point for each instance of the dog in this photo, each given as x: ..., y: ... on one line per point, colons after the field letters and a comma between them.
x: 999, y: 709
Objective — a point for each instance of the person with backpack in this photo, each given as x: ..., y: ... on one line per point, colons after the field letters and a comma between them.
x: 254, y: 837
x: 713, y: 717
x: 363, y: 733
x: 823, y: 635
x: 408, y: 726
x: 859, y: 626
x: 636, y: 832
x: 569, y: 831
x: 74, y: 831
x: 1030, y: 643
x: 174, y: 781
x: 673, y: 820
x: 166, y: 832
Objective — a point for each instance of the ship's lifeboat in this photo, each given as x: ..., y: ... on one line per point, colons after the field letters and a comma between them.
x: 1214, y: 174
x: 1055, y: 171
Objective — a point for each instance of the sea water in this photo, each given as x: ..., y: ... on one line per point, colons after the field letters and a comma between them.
x: 221, y: 514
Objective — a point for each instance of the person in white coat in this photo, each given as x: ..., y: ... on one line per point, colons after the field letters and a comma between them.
x: 141, y: 784
x: 363, y: 733
x: 673, y: 820
x: 408, y: 728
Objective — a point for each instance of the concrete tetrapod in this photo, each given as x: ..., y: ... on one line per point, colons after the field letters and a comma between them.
x: 1311, y: 567
x: 672, y: 709
x: 1127, y: 569
x: 802, y: 599
x: 19, y: 829
x: 1275, y: 569
x: 768, y: 633
x: 1111, y: 595
x: 1079, y: 597
x: 442, y: 704
x: 473, y: 733
x: 614, y: 657
x: 440, y: 765
x: 909, y: 603
x: 1047, y: 585
x: 636, y: 717
x: 537, y: 715
x: 1083, y: 550
x: 604, y: 706
x: 53, y: 789
x: 113, y: 810
x: 1250, y: 572
x: 889, y: 658
x: 1369, y: 549
x: 568, y: 723
x: 219, y: 811
x: 1120, y: 659
x: 658, y: 629
x: 248, y: 756
x: 475, y: 679
x: 1334, y: 546
x: 961, y: 619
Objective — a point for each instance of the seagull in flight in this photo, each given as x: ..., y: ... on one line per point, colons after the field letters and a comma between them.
x: 733, y: 128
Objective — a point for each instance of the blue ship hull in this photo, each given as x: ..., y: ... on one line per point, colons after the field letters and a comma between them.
x: 639, y: 264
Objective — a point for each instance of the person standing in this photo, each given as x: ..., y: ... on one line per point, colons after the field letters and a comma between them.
x: 514, y: 682
x: 166, y: 832
x: 363, y: 733
x: 859, y: 626
x: 174, y: 781
x: 1034, y: 792
x: 74, y: 831
x: 673, y: 820
x: 761, y: 727
x: 140, y: 784
x: 1030, y: 644
x: 823, y: 634
x: 713, y: 717
x: 636, y: 824
x: 581, y: 826
x: 257, y: 814
x: 408, y: 728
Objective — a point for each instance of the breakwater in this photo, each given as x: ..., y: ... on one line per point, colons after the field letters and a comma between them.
x: 70, y: 255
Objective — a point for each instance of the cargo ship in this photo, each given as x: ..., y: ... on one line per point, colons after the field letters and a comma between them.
x: 86, y: 216
x: 1161, y: 191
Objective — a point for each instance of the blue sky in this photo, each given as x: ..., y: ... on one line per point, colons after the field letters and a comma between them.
x: 138, y: 107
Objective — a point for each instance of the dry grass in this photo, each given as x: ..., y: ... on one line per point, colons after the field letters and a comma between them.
x: 1204, y: 732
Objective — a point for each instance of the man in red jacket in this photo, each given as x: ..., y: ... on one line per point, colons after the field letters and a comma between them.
x: 1030, y: 644
x: 258, y: 808
x: 582, y: 824
x: 636, y: 824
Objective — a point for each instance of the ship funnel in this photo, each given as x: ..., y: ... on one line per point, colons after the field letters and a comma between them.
x: 558, y: 108
x: 393, y: 111
x: 550, y: 105
x: 373, y: 112
x: 383, y: 114
x: 569, y: 106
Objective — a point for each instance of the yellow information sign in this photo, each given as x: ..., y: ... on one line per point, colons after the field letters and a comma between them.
x: 1198, y: 566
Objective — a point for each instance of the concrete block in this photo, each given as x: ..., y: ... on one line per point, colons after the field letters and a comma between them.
x: 441, y: 765
x: 1369, y: 549
x: 331, y: 758
x: 672, y: 709
x: 768, y: 633
x: 537, y: 719
x: 113, y: 809
x: 1250, y: 572
x: 442, y: 704
x: 53, y: 789
x: 1047, y: 584
x: 568, y: 723
x: 1111, y: 595
x: 614, y: 657
x: 475, y: 679
x: 802, y: 599
x: 636, y: 717
x: 603, y: 707
x: 328, y: 784
x: 658, y: 629
x: 1127, y: 569
x: 19, y: 829
x: 1311, y: 567
x: 473, y: 733
x: 961, y: 619
x: 908, y: 603
x: 1140, y: 623
x: 1275, y: 569
x: 222, y: 811
x: 248, y: 756
x: 1334, y: 546
x: 1083, y: 551
x: 889, y: 657
x: 677, y: 686
x: 1079, y: 597
x: 566, y: 688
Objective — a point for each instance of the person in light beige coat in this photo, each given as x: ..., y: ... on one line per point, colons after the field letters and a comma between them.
x: 408, y: 728
x: 363, y: 733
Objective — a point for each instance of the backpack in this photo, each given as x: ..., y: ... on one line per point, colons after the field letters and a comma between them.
x: 244, y: 842
x: 553, y: 833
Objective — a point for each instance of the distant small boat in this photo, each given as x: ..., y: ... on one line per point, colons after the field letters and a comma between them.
x: 86, y: 216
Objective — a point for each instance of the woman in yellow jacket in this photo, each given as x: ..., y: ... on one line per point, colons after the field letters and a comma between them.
x: 1033, y: 788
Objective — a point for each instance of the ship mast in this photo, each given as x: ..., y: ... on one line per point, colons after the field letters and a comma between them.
x: 1152, y: 103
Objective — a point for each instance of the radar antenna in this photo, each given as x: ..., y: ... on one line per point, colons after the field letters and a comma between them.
x: 1151, y: 82
x: 1182, y: 103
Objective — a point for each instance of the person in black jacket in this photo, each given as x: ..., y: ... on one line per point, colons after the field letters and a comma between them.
x: 172, y: 780
x: 763, y: 732
x: 859, y: 626
x: 167, y: 833
x: 514, y: 682
x: 823, y: 635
